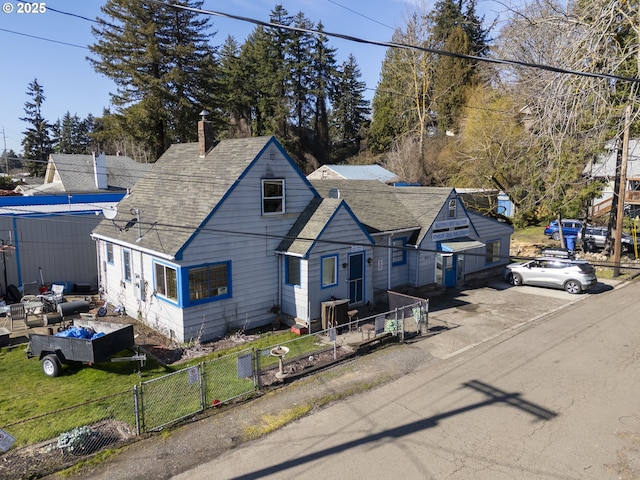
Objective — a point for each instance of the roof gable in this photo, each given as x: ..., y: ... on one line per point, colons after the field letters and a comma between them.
x: 183, y: 190
x: 311, y: 224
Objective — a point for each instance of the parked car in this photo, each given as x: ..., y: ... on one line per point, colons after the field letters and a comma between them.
x: 569, y: 227
x: 599, y: 236
x: 574, y: 276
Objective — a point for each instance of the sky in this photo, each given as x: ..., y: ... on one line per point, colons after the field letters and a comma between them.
x: 52, y: 47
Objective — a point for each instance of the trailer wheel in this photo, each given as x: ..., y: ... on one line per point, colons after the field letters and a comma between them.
x: 51, y: 365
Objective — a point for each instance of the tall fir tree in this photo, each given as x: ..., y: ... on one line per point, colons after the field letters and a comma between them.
x: 322, y: 82
x: 456, y: 28
x: 350, y: 109
x: 37, y: 143
x: 163, y: 66
x: 236, y: 92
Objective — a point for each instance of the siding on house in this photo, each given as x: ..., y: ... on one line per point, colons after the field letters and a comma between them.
x: 220, y: 221
x: 58, y: 246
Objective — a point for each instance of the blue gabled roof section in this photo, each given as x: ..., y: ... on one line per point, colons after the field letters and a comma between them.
x: 62, y: 199
x: 51, y: 205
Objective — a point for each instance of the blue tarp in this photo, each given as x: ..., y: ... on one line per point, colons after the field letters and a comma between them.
x: 79, y: 332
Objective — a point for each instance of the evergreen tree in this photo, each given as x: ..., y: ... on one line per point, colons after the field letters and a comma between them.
x: 37, y: 141
x: 322, y: 82
x: 9, y: 161
x: 71, y: 135
x: 161, y: 61
x: 236, y: 91
x: 457, y: 31
x: 350, y: 109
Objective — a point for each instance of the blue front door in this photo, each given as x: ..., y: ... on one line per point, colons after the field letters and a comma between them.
x: 446, y: 269
x: 356, y: 277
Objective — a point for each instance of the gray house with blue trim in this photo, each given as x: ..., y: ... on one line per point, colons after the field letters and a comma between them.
x: 224, y: 235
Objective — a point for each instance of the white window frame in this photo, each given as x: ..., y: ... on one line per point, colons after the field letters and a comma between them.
x: 127, y: 265
x: 326, y: 268
x: 162, y: 288
x: 452, y: 208
x: 268, y: 201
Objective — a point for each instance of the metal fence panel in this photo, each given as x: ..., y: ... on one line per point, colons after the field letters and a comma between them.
x: 229, y: 377
x: 171, y: 397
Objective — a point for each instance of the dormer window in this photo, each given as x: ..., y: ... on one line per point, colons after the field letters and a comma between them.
x: 273, y: 196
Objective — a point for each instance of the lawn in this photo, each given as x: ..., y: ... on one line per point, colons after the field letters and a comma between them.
x: 28, y: 393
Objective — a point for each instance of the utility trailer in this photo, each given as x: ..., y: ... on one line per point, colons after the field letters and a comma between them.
x: 54, y: 350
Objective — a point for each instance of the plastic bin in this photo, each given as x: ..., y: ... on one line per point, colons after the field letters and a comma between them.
x: 570, y: 240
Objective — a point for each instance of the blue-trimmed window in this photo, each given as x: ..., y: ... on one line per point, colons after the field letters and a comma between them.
x: 109, y: 252
x: 166, y: 279
x: 273, y: 196
x: 126, y: 265
x: 492, y: 252
x: 399, y: 253
x: 452, y: 208
x: 208, y: 282
x: 329, y: 271
x: 293, y: 275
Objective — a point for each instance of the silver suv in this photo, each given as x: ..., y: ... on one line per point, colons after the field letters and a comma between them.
x: 598, y: 235
x: 574, y: 276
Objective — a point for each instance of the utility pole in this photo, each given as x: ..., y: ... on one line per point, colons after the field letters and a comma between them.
x: 617, y: 234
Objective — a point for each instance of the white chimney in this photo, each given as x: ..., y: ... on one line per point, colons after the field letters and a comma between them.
x: 100, y: 171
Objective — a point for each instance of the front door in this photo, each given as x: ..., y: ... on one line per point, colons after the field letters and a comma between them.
x: 356, y: 277
x: 446, y: 264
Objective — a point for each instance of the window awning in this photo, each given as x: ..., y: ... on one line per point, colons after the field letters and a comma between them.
x: 460, y: 245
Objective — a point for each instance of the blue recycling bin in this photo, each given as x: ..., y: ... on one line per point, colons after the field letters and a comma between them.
x: 570, y: 240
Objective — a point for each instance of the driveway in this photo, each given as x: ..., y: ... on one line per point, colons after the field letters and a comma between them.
x: 471, y: 316
x: 460, y: 319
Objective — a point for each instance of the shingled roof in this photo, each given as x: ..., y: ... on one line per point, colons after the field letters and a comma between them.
x: 310, y: 224
x: 76, y: 172
x: 169, y: 213
x: 373, y: 202
x: 424, y: 204
x: 382, y: 208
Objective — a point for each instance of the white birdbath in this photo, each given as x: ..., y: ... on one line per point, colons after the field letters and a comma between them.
x: 280, y: 352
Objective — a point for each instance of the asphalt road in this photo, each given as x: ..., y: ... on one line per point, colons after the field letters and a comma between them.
x: 552, y: 396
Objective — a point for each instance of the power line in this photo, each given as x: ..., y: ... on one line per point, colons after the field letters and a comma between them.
x: 399, y: 45
x: 44, y: 39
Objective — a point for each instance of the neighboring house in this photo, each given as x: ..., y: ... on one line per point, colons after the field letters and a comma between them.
x: 354, y: 172
x: 605, y: 168
x: 424, y: 235
x: 221, y: 236
x: 49, y: 225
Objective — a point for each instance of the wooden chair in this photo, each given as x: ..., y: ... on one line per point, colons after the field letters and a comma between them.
x: 18, y: 312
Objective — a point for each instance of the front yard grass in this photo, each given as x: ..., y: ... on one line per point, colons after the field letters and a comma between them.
x: 27, y: 393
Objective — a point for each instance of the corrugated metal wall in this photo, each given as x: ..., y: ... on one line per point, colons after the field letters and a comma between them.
x: 60, y: 247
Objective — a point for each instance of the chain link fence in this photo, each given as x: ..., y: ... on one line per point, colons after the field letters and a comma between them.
x: 50, y: 442
x: 58, y: 439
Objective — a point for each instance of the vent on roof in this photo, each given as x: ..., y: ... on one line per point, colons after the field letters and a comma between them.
x: 334, y: 193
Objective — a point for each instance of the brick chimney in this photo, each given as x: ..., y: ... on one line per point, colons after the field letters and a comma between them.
x: 205, y: 134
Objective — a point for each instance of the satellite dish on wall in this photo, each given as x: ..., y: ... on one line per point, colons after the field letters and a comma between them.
x: 110, y: 212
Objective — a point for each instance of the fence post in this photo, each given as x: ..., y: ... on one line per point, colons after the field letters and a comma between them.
x: 136, y: 410
x: 203, y: 387
x: 402, y: 330
x: 256, y: 356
